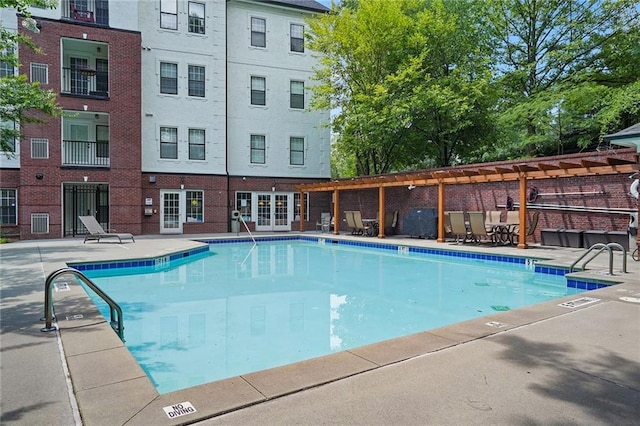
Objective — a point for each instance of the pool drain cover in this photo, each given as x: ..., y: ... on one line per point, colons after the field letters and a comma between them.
x: 579, y: 302
x: 500, y: 308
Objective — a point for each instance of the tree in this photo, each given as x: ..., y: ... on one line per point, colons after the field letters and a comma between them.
x: 18, y: 97
x: 410, y: 80
x: 553, y: 55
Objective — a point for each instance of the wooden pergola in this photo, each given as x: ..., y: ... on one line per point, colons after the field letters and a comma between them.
x: 468, y: 175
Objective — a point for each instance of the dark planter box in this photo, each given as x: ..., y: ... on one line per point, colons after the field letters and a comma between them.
x: 571, y: 237
x: 595, y: 236
x: 550, y: 237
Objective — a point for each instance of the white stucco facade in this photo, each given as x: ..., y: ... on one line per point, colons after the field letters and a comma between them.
x: 278, y: 65
x: 181, y: 111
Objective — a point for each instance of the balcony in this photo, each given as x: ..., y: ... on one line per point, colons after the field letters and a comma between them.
x: 85, y: 68
x: 85, y: 82
x: 86, y: 11
x: 85, y: 153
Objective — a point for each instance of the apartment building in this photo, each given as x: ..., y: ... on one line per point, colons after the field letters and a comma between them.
x: 176, y: 113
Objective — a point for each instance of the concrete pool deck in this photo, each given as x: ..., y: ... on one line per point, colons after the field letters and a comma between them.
x: 543, y: 364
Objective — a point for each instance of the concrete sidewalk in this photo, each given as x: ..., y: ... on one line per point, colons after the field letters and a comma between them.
x: 537, y: 365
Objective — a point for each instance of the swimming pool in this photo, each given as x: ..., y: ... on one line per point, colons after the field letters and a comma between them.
x: 239, y: 308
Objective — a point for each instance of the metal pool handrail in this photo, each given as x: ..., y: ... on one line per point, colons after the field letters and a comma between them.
x: 116, y: 312
x: 603, y: 247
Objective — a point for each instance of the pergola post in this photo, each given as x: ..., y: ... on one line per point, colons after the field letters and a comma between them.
x: 522, y: 217
x: 440, y: 211
x: 336, y: 212
x: 381, y: 206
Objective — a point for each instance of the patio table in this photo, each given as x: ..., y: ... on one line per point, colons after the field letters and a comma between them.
x: 504, y: 231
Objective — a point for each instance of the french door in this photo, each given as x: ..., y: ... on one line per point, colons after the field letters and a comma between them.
x: 170, y: 208
x: 274, y: 211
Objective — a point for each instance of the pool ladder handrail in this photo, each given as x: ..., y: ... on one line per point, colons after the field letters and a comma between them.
x: 602, y: 246
x: 116, y: 312
x: 247, y: 228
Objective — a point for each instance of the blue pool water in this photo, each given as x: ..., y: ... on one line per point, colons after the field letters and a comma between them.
x: 241, y: 308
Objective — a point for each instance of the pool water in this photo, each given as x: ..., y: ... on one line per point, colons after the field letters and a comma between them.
x: 242, y: 308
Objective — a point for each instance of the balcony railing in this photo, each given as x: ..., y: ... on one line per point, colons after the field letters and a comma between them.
x: 92, y: 11
x: 85, y: 153
x: 85, y: 82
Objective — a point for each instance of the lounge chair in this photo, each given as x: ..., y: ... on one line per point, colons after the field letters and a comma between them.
x: 96, y: 232
x: 458, y: 227
x: 478, y: 227
x: 324, y: 224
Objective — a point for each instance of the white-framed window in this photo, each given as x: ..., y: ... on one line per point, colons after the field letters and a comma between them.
x: 296, y: 151
x: 196, y: 81
x: 297, y: 37
x: 169, y: 142
x: 10, y: 126
x: 168, y: 78
x: 258, y: 32
x: 169, y: 14
x: 297, y: 94
x: 258, y: 149
x: 5, y: 68
x: 196, y: 17
x: 39, y: 73
x: 8, y: 206
x: 258, y: 90
x: 39, y: 148
x: 195, y: 206
x: 40, y: 223
x: 243, y: 205
x: 196, y: 144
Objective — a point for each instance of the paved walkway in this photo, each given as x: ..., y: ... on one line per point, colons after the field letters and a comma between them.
x: 544, y: 364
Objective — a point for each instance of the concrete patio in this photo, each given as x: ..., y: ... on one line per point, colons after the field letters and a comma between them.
x: 544, y: 364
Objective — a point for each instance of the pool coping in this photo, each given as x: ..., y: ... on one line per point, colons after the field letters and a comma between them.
x: 105, y: 374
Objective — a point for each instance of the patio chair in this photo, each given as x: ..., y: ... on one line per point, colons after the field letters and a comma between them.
x: 324, y: 224
x: 459, y: 228
x: 530, y: 229
x: 492, y: 217
x: 390, y: 222
x: 362, y: 228
x: 348, y: 214
x: 478, y: 228
x: 96, y: 232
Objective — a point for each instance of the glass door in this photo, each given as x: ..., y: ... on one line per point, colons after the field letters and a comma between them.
x: 273, y: 212
x: 170, y: 220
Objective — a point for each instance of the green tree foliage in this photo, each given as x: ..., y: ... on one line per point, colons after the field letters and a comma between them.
x: 19, y: 98
x: 408, y: 78
x: 563, y: 64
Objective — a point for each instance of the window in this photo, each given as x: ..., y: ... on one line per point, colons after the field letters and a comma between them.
x: 168, y: 142
x: 196, y: 18
x: 168, y: 78
x: 258, y: 32
x: 11, y: 134
x: 169, y: 14
x: 297, y: 38
x: 39, y: 73
x: 296, y: 151
x: 196, y: 81
x: 243, y: 205
x: 194, y: 206
x: 5, y: 68
x: 102, y: 141
x: 39, y: 148
x: 258, y: 91
x: 296, y: 206
x: 8, y: 207
x: 196, y: 144
x: 257, y: 149
x: 297, y: 95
